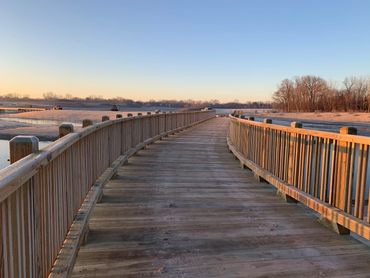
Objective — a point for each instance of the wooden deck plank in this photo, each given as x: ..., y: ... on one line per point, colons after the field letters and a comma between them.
x: 183, y: 208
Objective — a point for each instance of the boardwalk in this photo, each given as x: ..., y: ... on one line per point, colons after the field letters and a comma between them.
x: 184, y: 208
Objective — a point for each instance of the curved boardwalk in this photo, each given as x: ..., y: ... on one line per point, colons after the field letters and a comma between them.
x: 184, y: 208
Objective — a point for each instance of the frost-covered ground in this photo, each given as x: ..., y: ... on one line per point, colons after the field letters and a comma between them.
x: 44, y: 124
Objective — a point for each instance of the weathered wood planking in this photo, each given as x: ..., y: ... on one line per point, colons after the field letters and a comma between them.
x: 183, y: 208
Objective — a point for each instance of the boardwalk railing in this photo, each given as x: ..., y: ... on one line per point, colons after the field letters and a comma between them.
x: 326, y: 171
x: 41, y: 194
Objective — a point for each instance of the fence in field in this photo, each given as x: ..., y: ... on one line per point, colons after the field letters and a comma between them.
x: 327, y: 172
x: 43, y: 194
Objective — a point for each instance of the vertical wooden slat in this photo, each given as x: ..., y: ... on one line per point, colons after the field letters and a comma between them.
x: 361, y: 181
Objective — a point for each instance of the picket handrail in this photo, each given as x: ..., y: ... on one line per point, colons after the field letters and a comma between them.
x: 325, y: 171
x: 41, y: 194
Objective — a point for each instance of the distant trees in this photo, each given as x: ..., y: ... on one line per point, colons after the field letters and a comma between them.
x: 54, y: 98
x: 312, y: 93
x: 50, y: 96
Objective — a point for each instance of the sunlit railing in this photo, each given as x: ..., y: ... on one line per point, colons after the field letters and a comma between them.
x: 328, y: 172
x: 41, y: 193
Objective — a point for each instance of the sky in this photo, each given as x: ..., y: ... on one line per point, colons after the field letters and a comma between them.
x: 178, y: 49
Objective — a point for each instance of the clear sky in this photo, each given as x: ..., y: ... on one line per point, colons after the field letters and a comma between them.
x: 176, y: 49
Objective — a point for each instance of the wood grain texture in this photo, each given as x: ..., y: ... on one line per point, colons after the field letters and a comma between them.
x: 183, y: 207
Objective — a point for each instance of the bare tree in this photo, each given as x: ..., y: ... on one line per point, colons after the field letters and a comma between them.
x: 311, y: 93
x: 284, y: 95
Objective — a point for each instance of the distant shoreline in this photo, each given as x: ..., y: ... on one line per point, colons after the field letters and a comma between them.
x: 339, y: 117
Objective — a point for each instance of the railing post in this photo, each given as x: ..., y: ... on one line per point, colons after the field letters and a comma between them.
x: 104, y: 118
x: 293, y: 157
x: 342, y: 195
x: 21, y: 146
x: 266, y: 142
x: 343, y: 192
x: 65, y: 128
x: 86, y: 122
x: 296, y: 124
x: 342, y: 198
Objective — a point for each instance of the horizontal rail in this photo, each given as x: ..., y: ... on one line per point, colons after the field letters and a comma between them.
x: 328, y: 172
x: 41, y: 194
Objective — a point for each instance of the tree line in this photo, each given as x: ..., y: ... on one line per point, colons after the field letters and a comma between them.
x: 312, y: 93
x: 55, y: 99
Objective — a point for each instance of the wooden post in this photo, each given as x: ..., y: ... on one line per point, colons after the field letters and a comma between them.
x: 293, y: 153
x: 65, y: 128
x: 23, y: 209
x: 348, y: 130
x: 105, y: 118
x: 343, y: 193
x: 118, y: 116
x: 21, y: 146
x: 129, y: 115
x: 266, y: 142
x: 293, y: 156
x: 87, y: 122
x: 296, y: 124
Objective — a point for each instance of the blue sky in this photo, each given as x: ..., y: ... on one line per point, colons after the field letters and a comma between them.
x: 176, y: 49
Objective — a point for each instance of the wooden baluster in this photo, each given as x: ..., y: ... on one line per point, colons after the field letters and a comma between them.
x: 361, y: 181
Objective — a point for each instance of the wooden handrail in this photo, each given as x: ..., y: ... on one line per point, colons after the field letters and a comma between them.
x: 325, y: 171
x: 330, y: 135
x: 41, y: 194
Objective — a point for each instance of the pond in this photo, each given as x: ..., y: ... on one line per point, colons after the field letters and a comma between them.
x: 4, y: 151
x: 35, y: 121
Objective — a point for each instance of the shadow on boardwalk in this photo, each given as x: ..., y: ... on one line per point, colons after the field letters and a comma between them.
x: 183, y: 208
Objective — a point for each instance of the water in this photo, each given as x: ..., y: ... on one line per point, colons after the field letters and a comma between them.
x: 35, y: 121
x: 8, y: 111
x: 4, y: 151
x: 226, y: 111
